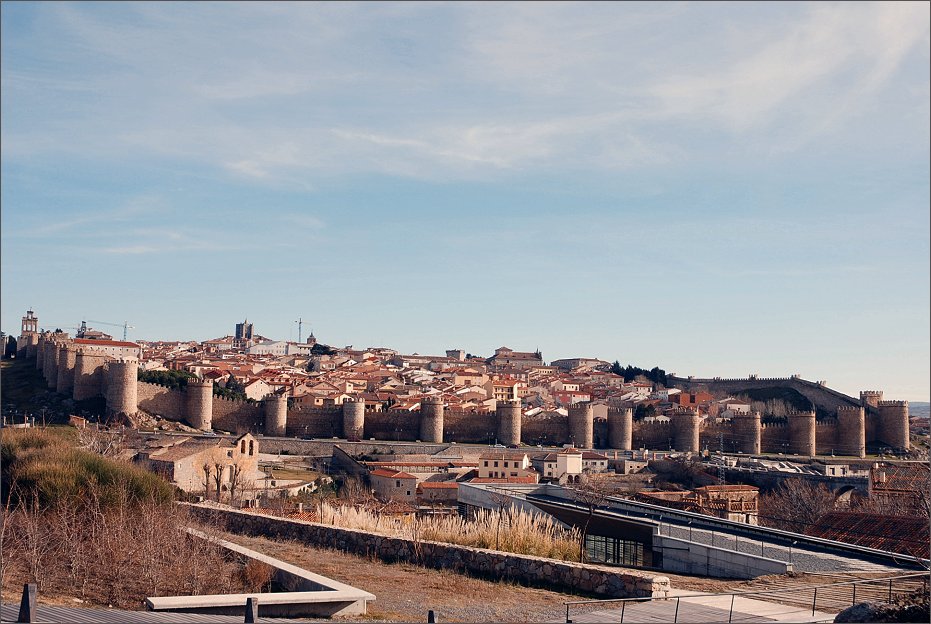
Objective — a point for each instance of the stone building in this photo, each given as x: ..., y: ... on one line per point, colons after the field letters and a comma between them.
x: 504, y: 465
x: 394, y: 485
x: 189, y: 462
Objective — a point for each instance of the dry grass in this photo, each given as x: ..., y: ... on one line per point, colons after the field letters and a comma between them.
x: 507, y: 529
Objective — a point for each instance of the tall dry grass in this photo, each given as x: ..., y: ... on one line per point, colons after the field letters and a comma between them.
x: 508, y: 529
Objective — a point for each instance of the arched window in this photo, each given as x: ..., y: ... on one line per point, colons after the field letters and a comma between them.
x: 242, y: 447
x: 251, y: 447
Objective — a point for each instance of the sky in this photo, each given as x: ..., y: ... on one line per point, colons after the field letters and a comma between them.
x: 715, y: 189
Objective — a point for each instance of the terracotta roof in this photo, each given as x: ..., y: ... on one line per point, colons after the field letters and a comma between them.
x: 392, y: 474
x: 902, y: 534
x: 105, y: 343
x: 911, y: 477
x: 439, y: 485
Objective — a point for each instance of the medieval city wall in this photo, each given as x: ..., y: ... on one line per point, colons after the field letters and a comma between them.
x: 237, y: 416
x: 826, y: 437
x: 468, y: 426
x: 315, y: 422
x: 160, y: 400
x: 549, y: 430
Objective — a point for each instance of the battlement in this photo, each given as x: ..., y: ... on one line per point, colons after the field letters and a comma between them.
x: 510, y: 403
x: 199, y: 383
x: 870, y: 393
x: 893, y: 404
x: 353, y: 400
x: 431, y: 401
x: 849, y: 408
x: 808, y: 414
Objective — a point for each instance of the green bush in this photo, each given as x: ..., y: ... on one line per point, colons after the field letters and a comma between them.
x: 42, y: 464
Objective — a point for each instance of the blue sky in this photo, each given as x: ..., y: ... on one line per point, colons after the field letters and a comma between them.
x: 717, y: 189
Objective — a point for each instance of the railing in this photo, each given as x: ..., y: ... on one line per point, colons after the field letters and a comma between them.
x: 827, y: 598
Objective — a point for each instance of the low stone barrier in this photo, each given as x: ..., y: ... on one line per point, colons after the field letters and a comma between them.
x: 537, y: 571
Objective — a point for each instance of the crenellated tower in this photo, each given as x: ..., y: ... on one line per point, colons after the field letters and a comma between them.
x: 893, y: 424
x: 851, y: 430
x: 198, y: 404
x: 582, y: 425
x: 509, y: 422
x: 686, y: 430
x: 431, y: 419
x: 66, y: 361
x: 802, y: 427
x: 88, y: 374
x: 749, y: 432
x: 122, y: 387
x: 276, y: 414
x: 354, y: 418
x: 621, y: 428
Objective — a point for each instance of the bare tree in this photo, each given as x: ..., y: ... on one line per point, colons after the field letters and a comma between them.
x: 590, y: 492
x: 795, y: 505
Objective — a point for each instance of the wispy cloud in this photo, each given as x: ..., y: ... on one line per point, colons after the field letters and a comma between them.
x: 283, y: 95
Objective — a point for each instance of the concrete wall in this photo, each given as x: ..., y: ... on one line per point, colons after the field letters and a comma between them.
x: 536, y: 571
x: 685, y: 557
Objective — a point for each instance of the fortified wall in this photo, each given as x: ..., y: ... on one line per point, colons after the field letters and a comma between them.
x: 85, y: 374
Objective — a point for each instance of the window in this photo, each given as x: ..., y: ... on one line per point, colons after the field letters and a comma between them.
x: 242, y: 447
x: 408, y: 492
x: 505, y: 464
x: 496, y: 464
x: 251, y: 447
x: 397, y: 484
x: 486, y: 463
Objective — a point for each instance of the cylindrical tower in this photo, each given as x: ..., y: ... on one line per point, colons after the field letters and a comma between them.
x: 509, y: 422
x: 354, y: 418
x: 749, y: 432
x: 122, y: 389
x: 802, y: 433
x: 582, y: 425
x: 621, y: 428
x: 198, y: 404
x: 851, y: 430
x: 66, y: 361
x: 893, y: 424
x: 32, y: 343
x: 88, y: 373
x: 870, y: 398
x: 50, y: 364
x: 431, y: 419
x: 40, y: 352
x: 276, y: 413
x: 686, y: 427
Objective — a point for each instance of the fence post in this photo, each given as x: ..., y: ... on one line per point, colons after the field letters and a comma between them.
x: 568, y: 621
x: 27, y: 606
x: 623, y: 605
x: 675, y: 618
x: 731, y: 614
x: 814, y: 600
x: 252, y: 610
x: 890, y: 590
x: 853, y: 601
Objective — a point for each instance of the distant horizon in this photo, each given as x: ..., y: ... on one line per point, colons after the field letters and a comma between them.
x: 715, y: 189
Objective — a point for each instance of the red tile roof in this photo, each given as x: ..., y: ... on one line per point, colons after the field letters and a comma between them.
x: 392, y: 474
x: 902, y: 534
x: 105, y: 343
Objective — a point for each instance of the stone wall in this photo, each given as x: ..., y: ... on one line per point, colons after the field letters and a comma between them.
x: 592, y: 579
x: 156, y: 399
x: 315, y: 422
x: 237, y: 416
x: 475, y: 427
x: 546, y: 430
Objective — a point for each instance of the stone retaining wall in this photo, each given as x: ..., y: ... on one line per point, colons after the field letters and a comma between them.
x: 537, y: 571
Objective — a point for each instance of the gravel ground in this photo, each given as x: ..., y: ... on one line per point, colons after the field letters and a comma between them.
x: 405, y: 592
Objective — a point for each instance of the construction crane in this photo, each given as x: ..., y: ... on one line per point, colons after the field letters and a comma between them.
x: 300, y: 325
x: 125, y: 325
